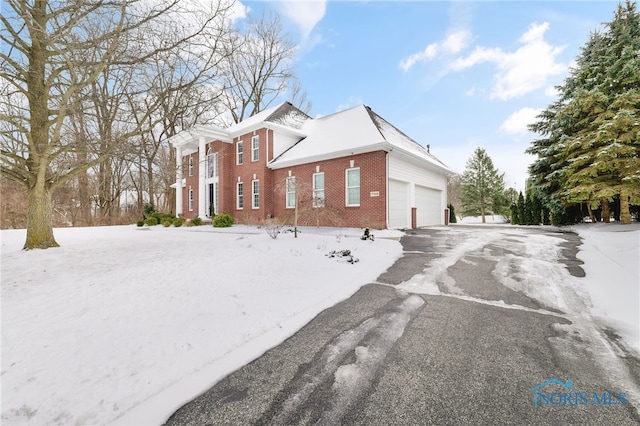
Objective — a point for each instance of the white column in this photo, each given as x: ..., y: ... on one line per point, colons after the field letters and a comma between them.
x: 179, y: 211
x: 202, y: 168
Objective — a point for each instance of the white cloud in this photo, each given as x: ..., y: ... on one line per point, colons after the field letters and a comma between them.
x: 522, y: 71
x: 517, y: 122
x: 454, y: 43
x: 304, y: 14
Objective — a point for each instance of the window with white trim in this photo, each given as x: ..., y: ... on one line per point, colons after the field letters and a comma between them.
x: 190, y: 166
x: 255, y: 148
x: 212, y: 164
x: 239, y: 152
x: 290, y: 192
x: 255, y: 194
x: 318, y: 190
x: 352, y: 194
x: 239, y: 195
x: 190, y: 199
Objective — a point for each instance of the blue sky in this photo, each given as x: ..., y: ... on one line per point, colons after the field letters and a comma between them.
x: 455, y: 75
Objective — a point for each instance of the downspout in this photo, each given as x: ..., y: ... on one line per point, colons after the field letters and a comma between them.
x: 387, y: 185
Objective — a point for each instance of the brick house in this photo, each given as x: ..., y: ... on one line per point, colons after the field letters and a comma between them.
x: 351, y: 169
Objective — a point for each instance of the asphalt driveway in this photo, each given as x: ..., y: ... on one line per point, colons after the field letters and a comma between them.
x: 468, y: 327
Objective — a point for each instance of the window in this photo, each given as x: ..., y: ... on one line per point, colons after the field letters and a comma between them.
x: 255, y: 148
x: 190, y: 199
x: 255, y: 194
x: 239, y: 196
x: 212, y: 164
x: 190, y: 166
x: 291, y: 192
x: 318, y: 190
x: 353, y: 187
x: 239, y: 149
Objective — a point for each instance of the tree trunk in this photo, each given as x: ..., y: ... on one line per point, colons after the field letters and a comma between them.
x: 606, y: 211
x: 625, y: 213
x: 39, y: 224
x: 591, y: 215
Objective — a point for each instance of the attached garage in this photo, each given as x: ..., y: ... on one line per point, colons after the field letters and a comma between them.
x: 428, y: 201
x: 399, y: 212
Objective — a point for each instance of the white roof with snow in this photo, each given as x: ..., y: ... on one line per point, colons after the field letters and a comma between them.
x: 354, y: 131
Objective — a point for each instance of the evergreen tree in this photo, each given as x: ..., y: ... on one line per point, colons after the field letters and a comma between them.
x: 590, y: 150
x: 522, y: 213
x: 528, y: 210
x: 452, y: 214
x: 481, y: 185
x: 515, y: 220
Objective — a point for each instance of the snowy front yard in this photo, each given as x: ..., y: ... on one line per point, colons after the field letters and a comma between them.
x: 123, y: 325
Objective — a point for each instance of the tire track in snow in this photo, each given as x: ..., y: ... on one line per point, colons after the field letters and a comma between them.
x: 371, y: 341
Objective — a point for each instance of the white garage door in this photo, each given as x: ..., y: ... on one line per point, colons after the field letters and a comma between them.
x: 428, y: 206
x: 399, y: 213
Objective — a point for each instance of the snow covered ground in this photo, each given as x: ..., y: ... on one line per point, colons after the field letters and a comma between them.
x: 122, y: 325
x: 125, y: 324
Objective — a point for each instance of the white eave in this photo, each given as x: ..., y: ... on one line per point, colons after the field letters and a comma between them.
x: 188, y: 139
x: 184, y: 184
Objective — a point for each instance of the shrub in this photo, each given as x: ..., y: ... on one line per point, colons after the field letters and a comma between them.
x: 149, y: 208
x: 178, y: 221
x: 196, y: 221
x: 140, y: 223
x: 452, y: 214
x: 151, y: 221
x: 343, y: 256
x: 223, y: 220
x: 367, y: 235
x: 166, y: 223
x: 272, y: 226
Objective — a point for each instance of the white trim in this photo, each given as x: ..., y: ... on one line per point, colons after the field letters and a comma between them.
x: 239, y: 154
x: 255, y: 151
x: 314, y: 190
x: 290, y: 189
x: 239, y: 196
x: 347, y: 187
x: 255, y: 194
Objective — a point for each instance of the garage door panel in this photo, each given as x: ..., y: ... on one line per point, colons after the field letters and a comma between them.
x: 398, y: 204
x: 428, y: 206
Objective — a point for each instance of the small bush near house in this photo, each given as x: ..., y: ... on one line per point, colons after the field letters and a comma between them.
x: 223, y: 220
x: 367, y: 235
x: 140, y: 223
x: 178, y: 222
x: 196, y: 221
x: 151, y: 221
x: 272, y: 226
x: 452, y: 214
x: 166, y: 223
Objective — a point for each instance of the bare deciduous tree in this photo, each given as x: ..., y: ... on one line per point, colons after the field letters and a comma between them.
x: 260, y: 67
x: 55, y: 51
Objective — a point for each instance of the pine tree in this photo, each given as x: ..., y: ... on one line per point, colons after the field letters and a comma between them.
x: 515, y: 220
x: 481, y: 185
x: 522, y: 212
x: 452, y: 214
x: 590, y: 150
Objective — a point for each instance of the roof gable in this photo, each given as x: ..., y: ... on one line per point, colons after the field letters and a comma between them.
x: 353, y: 131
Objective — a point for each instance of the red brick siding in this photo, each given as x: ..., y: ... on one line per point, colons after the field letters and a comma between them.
x: 245, y: 172
x: 370, y: 213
